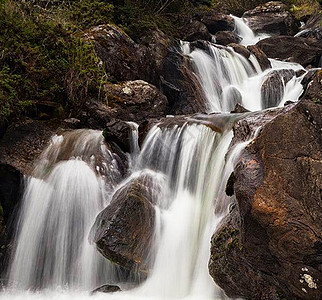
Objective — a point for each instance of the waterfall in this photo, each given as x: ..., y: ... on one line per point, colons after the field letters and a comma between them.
x: 70, y: 185
x: 228, y: 78
x: 77, y: 175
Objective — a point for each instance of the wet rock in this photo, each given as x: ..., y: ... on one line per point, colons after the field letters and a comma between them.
x: 72, y: 123
x: 314, y: 88
x: 123, y: 230
x: 260, y: 56
x: 195, y: 30
x: 215, y: 21
x: 24, y: 141
x: 306, y: 52
x: 312, y: 28
x: 119, y: 132
x: 106, y: 289
x: 272, y: 90
x: 180, y: 85
x: 269, y: 246
x: 226, y: 37
x: 240, y: 49
x: 272, y: 18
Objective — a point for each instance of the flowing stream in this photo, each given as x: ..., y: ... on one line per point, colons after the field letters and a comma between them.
x: 77, y: 174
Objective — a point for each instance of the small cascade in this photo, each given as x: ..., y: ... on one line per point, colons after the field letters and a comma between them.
x: 70, y: 185
x: 228, y: 78
x: 247, y: 35
x: 134, y: 142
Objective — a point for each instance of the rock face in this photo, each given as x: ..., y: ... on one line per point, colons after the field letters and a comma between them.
x: 312, y: 28
x: 126, y: 60
x: 106, y: 289
x: 271, y: 17
x: 270, y: 245
x: 304, y: 51
x: 123, y: 231
x: 24, y: 141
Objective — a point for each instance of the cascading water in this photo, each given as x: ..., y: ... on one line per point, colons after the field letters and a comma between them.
x: 77, y: 174
x: 74, y: 177
x: 228, y: 78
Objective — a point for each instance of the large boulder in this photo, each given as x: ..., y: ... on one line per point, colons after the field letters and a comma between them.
x: 273, y: 18
x: 312, y: 28
x: 195, y: 30
x: 270, y: 245
x: 227, y: 37
x: 123, y: 231
x: 126, y: 60
x: 215, y: 21
x: 135, y: 100
x: 304, y: 51
x: 180, y: 84
x: 314, y: 88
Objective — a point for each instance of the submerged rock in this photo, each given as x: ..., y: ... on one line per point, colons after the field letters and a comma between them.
x: 106, y: 289
x: 269, y: 246
x: 273, y: 18
x: 304, y: 51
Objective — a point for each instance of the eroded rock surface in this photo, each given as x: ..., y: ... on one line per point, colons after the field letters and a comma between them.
x: 270, y: 245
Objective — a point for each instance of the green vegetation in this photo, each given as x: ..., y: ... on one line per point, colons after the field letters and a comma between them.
x: 43, y: 56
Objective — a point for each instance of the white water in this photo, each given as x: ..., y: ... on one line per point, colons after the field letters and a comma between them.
x: 228, y: 78
x: 77, y: 174
x: 247, y: 35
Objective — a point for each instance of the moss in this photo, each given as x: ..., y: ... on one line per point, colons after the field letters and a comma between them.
x: 1, y: 210
x: 226, y: 240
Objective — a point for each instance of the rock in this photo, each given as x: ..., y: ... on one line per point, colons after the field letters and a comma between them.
x: 123, y: 231
x: 215, y: 21
x: 270, y: 245
x: 123, y: 59
x: 119, y: 132
x: 135, y: 101
x: 314, y: 88
x: 313, y: 27
x: 72, y: 123
x: 272, y: 18
x: 195, y: 30
x: 272, y: 90
x: 240, y: 49
x: 106, y: 289
x: 180, y: 85
x: 226, y: 37
x: 306, y: 52
x: 47, y: 110
x: 24, y: 141
x: 315, y: 33
x: 260, y: 56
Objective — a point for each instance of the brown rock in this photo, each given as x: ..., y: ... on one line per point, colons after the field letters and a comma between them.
x: 195, y: 30
x: 270, y: 245
x: 226, y: 37
x: 240, y: 49
x: 304, y: 51
x: 271, y: 17
x: 123, y: 230
x: 260, y: 56
x: 215, y: 21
